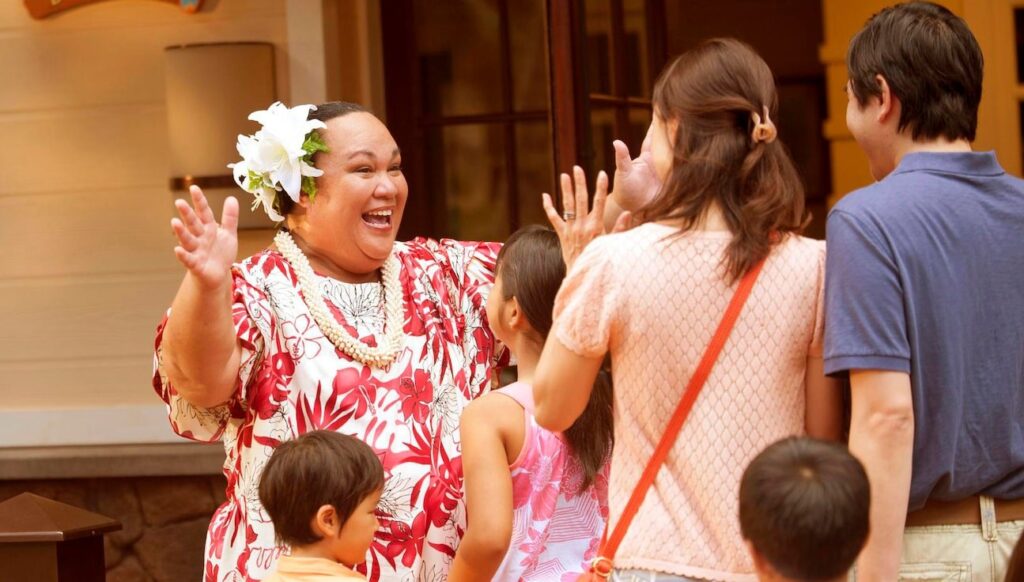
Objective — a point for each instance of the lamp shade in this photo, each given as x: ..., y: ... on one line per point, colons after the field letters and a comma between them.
x: 211, y: 90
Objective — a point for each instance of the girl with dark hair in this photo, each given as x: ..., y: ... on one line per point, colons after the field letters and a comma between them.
x: 725, y: 199
x: 536, y: 501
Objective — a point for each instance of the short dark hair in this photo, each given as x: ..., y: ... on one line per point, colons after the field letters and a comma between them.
x: 804, y: 507
x: 932, y: 63
x: 319, y: 468
x: 323, y: 112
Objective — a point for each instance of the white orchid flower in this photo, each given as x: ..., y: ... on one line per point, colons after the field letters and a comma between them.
x: 275, y: 154
x: 266, y: 197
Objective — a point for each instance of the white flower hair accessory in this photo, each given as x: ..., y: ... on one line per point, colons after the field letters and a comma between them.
x: 279, y: 157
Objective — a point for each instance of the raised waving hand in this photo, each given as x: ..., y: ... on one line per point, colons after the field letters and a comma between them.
x: 636, y: 182
x: 577, y: 226
x: 207, y: 249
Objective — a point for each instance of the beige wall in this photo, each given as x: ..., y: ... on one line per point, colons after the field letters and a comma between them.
x: 87, y: 268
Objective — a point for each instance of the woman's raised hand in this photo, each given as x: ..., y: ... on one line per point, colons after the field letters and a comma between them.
x: 577, y: 227
x: 636, y: 182
x: 207, y: 249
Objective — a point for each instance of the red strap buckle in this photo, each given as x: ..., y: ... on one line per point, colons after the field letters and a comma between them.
x: 601, y: 566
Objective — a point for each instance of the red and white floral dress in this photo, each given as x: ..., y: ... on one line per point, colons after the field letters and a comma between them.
x: 293, y: 380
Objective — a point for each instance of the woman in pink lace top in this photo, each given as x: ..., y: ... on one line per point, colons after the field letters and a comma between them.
x: 536, y: 501
x: 651, y: 297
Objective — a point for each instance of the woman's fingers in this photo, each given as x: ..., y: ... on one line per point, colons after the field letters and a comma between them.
x: 201, y: 205
x: 568, y: 201
x: 600, y: 198
x: 549, y: 208
x: 186, y: 239
x: 623, y: 163
x: 229, y: 215
x: 189, y: 218
x: 581, y: 194
x: 185, y: 258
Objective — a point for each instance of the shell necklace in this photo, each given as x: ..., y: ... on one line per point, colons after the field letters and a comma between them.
x: 394, y: 336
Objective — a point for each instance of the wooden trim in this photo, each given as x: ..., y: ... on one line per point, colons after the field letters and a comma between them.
x: 508, y: 105
x: 484, y: 118
x: 402, y: 98
x: 657, y: 36
x: 566, y: 88
x: 183, y: 183
x: 618, y: 49
x: 611, y: 100
x: 105, y: 461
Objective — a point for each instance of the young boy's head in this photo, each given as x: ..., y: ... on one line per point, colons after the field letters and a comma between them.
x: 804, y: 510
x: 321, y: 491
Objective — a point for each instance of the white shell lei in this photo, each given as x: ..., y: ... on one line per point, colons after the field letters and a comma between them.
x: 394, y: 333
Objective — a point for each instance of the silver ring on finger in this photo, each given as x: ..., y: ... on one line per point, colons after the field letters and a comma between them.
x: 569, y: 215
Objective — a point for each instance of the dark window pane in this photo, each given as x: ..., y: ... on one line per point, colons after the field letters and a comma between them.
x: 1018, y: 28
x: 602, y: 133
x: 529, y: 57
x: 469, y: 179
x: 458, y: 46
x: 639, y: 121
x: 598, y: 21
x: 638, y: 73
x: 535, y: 174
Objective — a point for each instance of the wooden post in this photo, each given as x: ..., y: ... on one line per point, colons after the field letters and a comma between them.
x: 47, y: 541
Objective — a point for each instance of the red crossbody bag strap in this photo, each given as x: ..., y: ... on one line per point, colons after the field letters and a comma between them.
x: 602, y: 565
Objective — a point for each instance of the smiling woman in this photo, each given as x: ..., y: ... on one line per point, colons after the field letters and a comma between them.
x: 338, y: 327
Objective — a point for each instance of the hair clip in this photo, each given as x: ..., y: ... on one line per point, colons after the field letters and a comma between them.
x: 763, y: 131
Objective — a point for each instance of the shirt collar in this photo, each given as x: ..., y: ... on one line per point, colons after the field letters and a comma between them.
x: 972, y: 163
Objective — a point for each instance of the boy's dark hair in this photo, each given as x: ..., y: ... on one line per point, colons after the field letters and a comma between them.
x: 932, y: 63
x: 804, y: 507
x: 318, y: 468
x: 532, y: 269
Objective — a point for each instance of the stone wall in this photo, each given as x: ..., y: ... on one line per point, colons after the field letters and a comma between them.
x: 164, y: 521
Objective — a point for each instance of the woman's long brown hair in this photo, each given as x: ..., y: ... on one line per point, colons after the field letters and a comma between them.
x: 531, y: 269
x: 712, y: 91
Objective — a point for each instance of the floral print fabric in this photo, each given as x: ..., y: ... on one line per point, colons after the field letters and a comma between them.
x: 556, y: 528
x: 293, y: 380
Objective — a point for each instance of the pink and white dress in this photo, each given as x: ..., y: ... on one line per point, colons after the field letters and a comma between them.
x: 556, y: 527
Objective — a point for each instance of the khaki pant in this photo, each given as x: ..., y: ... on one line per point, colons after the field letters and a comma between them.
x: 959, y: 553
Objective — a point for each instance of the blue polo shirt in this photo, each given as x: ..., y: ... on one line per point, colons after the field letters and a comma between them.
x: 925, y: 275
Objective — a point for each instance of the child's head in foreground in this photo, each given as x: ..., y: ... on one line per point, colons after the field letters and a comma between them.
x: 804, y: 510
x: 321, y: 491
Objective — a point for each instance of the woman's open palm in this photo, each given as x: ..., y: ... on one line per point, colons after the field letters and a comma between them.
x: 207, y: 249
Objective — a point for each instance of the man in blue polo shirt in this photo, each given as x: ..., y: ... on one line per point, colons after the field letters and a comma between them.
x: 925, y: 305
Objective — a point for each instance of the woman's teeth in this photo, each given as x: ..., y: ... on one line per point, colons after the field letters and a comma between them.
x: 378, y: 217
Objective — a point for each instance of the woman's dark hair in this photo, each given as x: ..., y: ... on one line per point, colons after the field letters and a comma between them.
x: 531, y: 268
x: 319, y: 468
x: 323, y: 112
x: 713, y: 92
x: 804, y: 506
x: 932, y: 64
